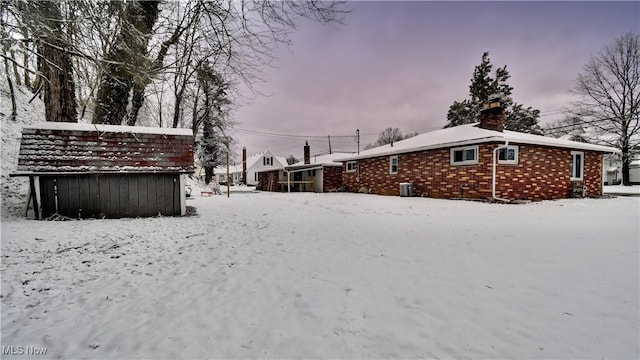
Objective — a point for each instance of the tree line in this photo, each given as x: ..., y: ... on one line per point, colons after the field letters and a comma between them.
x: 166, y: 63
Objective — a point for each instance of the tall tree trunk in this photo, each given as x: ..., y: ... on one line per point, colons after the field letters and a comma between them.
x: 126, y: 62
x: 137, y: 99
x: 625, y: 164
x: 14, y: 112
x: 57, y: 69
x: 25, y: 59
x: 16, y: 74
x: 177, y: 106
x: 139, y: 87
x: 195, y: 124
x: 207, y: 135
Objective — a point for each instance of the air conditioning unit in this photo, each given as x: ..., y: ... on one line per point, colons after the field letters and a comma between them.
x: 406, y: 189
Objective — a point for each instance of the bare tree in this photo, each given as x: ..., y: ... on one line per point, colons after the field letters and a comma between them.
x: 389, y: 136
x: 74, y: 35
x: 609, y: 87
x: 43, y: 21
x: 5, y: 55
x: 240, y: 36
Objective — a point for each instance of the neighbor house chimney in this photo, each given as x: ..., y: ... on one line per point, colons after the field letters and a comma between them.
x: 307, y: 153
x: 492, y: 114
x: 244, y: 165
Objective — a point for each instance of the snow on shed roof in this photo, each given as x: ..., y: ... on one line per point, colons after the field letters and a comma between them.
x: 467, y: 135
x: 84, y: 148
x: 108, y: 128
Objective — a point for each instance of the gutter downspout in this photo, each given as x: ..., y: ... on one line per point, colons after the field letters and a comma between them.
x: 493, y: 180
x: 288, y: 181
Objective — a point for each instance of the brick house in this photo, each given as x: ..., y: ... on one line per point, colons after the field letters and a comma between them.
x: 95, y: 171
x: 479, y: 161
x: 314, y: 174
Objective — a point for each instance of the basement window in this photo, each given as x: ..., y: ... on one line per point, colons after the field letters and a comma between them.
x: 351, y: 166
x: 577, y: 165
x: 467, y: 155
x: 393, y: 165
x: 508, y: 155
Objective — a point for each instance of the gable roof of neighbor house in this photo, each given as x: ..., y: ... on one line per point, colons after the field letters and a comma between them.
x: 54, y: 147
x: 252, y: 160
x: 469, y: 134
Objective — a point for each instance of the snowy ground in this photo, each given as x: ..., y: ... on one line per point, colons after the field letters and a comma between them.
x: 267, y: 275
x: 264, y: 275
x: 622, y: 190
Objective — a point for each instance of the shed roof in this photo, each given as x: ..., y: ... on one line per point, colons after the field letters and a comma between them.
x: 79, y: 148
x: 467, y: 135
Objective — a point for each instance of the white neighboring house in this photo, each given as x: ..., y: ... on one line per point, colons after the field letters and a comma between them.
x: 612, y: 163
x: 255, y: 162
x: 612, y: 169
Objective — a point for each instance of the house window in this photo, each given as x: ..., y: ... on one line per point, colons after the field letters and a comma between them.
x: 351, y: 166
x: 577, y: 165
x: 255, y: 177
x: 464, y: 155
x: 267, y: 160
x: 393, y: 165
x: 508, y: 155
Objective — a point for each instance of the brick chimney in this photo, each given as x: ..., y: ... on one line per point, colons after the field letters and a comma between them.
x: 492, y: 114
x: 244, y: 165
x: 307, y: 153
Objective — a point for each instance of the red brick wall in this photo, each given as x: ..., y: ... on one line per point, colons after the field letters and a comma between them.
x: 331, y: 178
x: 541, y: 173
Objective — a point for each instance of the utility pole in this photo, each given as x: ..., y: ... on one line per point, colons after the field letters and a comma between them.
x: 329, y: 136
x: 358, y: 163
x: 228, y: 178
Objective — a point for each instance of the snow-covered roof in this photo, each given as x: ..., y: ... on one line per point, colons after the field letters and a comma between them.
x: 281, y: 159
x: 467, y: 135
x: 324, y: 160
x: 80, y: 148
x: 108, y: 128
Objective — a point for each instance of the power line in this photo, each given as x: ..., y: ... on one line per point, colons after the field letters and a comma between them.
x: 583, y: 122
x: 281, y: 135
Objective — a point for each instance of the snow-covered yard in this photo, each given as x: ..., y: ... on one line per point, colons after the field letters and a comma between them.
x: 272, y: 275
x: 621, y: 190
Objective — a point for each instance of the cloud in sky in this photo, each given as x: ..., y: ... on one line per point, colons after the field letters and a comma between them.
x: 402, y: 64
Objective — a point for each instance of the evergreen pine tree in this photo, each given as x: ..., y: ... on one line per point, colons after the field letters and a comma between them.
x: 467, y: 111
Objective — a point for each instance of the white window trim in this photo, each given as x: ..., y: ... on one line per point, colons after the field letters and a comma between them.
x: 509, y: 162
x: 464, y: 162
x: 391, y: 158
x: 353, y: 168
x: 573, y: 154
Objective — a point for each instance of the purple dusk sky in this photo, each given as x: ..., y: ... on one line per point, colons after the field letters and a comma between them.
x: 402, y: 64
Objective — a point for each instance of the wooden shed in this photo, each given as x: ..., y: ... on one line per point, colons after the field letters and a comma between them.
x: 105, y: 171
